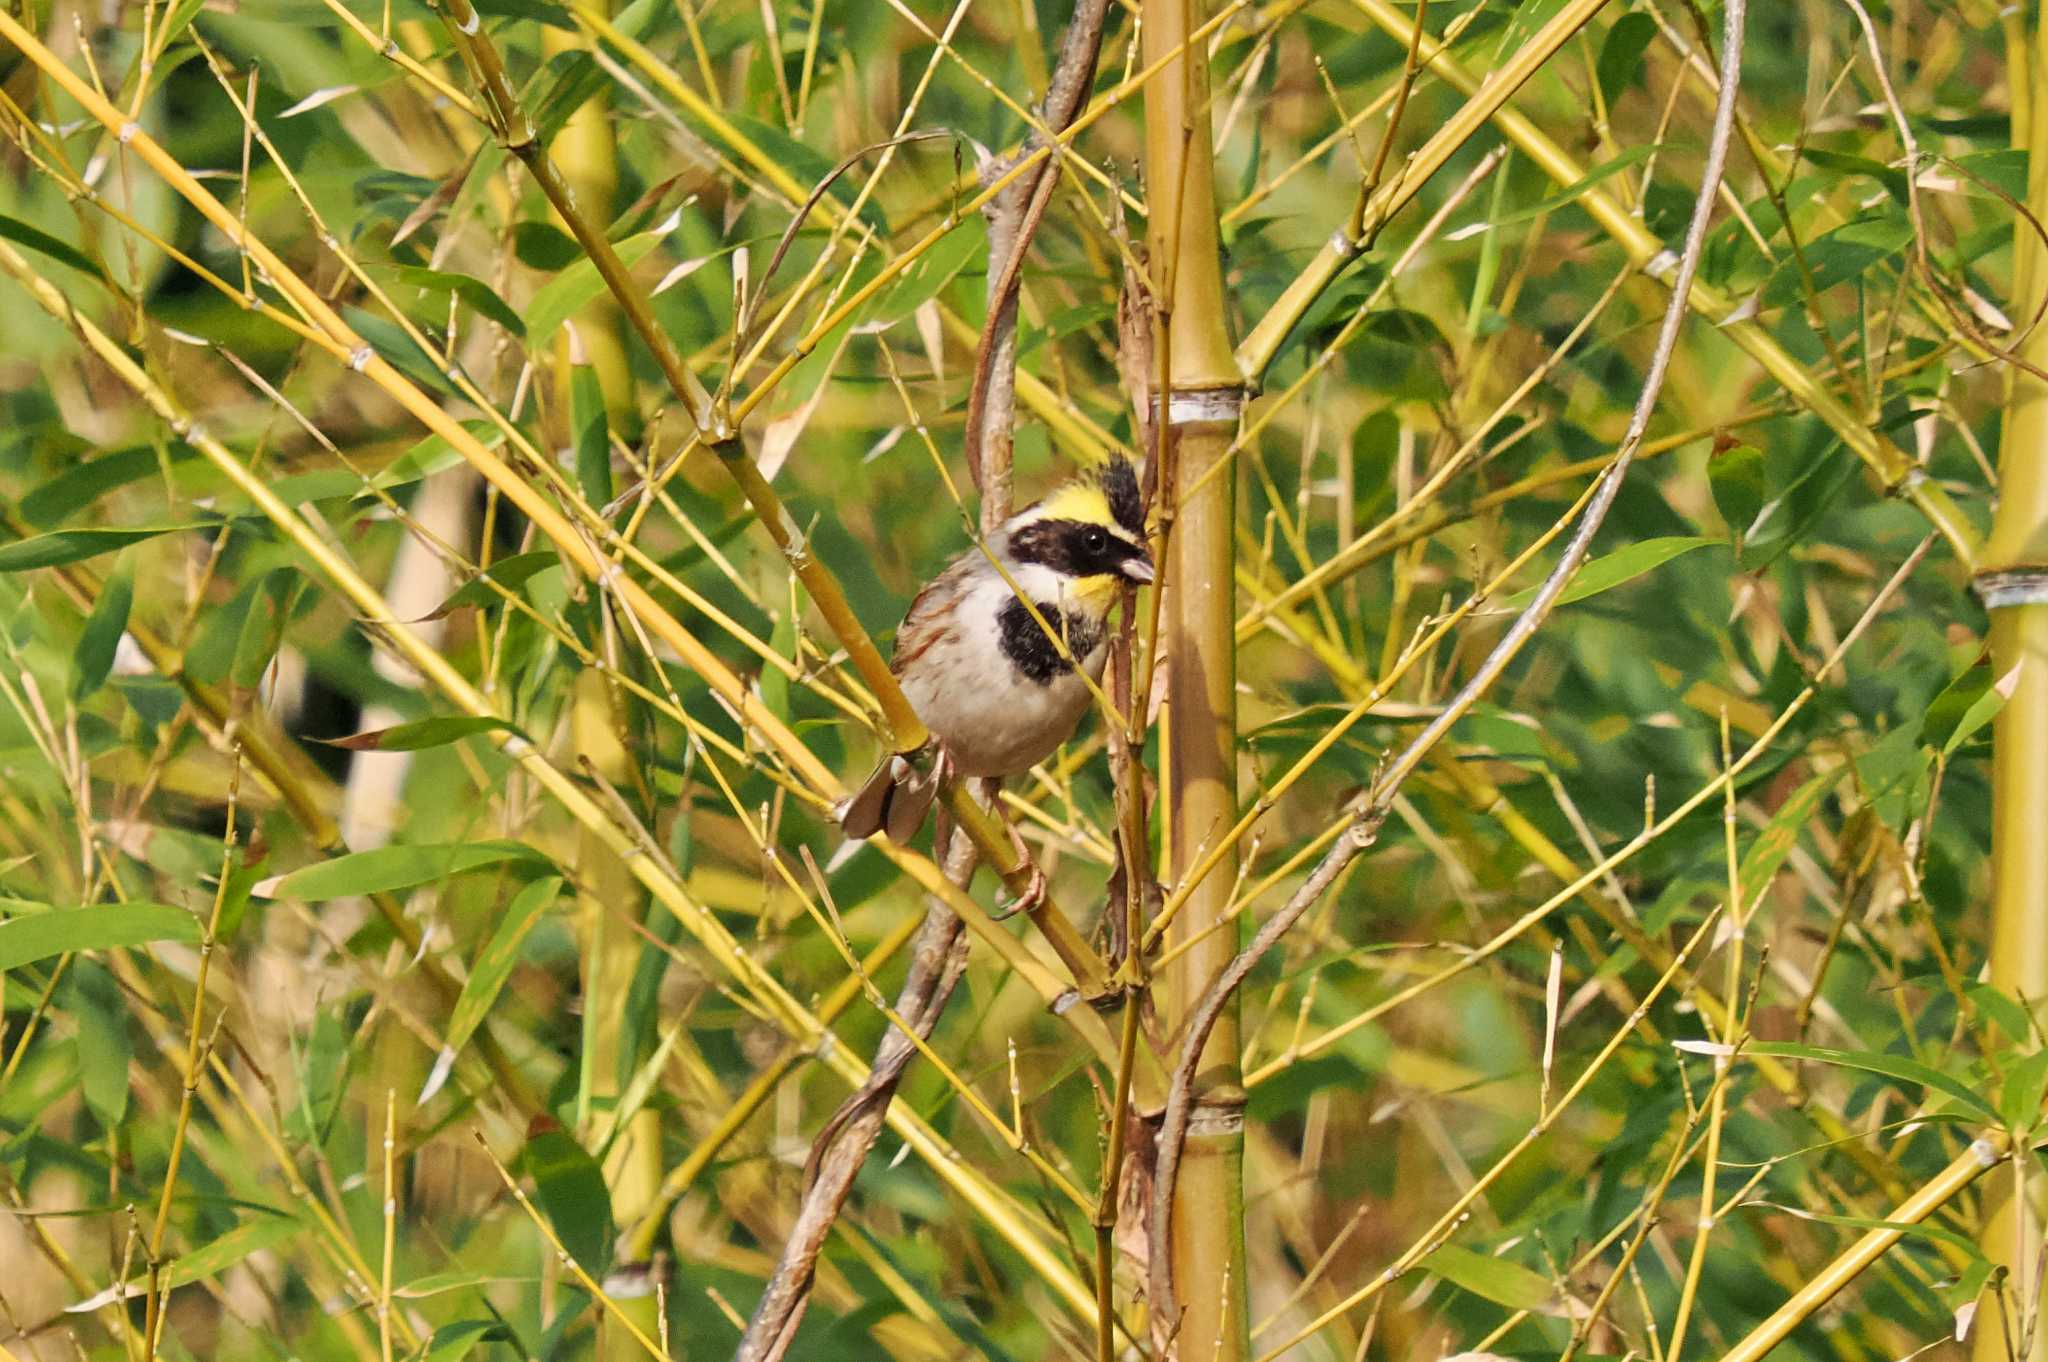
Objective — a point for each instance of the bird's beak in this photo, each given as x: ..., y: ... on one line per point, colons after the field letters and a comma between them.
x: 1138, y: 569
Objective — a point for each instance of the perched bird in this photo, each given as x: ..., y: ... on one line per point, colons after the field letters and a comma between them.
x: 991, y: 682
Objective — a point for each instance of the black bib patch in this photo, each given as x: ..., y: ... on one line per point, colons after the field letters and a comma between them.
x: 1024, y: 640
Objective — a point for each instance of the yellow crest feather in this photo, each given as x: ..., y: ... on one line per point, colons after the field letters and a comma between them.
x: 1080, y: 499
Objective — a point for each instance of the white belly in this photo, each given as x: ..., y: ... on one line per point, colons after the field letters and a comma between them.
x: 993, y: 720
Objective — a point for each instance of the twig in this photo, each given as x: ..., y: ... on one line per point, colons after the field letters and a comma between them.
x: 1173, y: 1124
x: 1013, y: 217
x: 937, y: 959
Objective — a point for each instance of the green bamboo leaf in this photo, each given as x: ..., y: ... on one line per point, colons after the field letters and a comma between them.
x: 419, y: 735
x: 252, y: 1236
x: 509, y: 573
x: 70, y: 546
x: 432, y: 454
x: 400, y: 350
x: 209, y: 1260
x: 1858, y: 1222
x: 568, y: 82
x: 494, y: 963
x: 569, y: 1189
x: 808, y: 164
x: 1578, y: 189
x: 1946, y: 711
x: 1740, y: 488
x: 2003, y: 1011
x: 387, y: 869
x: 544, y: 246
x: 2026, y: 1085
x: 440, y: 1283
x: 1836, y: 257
x: 960, y: 1320
x: 85, y: 481
x: 1780, y: 835
x: 936, y: 268
x: 40, y: 241
x: 263, y: 630
x: 1494, y: 1279
x: 104, y: 1047
x: 1621, y: 54
x: 40, y: 931
x: 775, y: 681
x: 592, y: 433
x: 452, y: 1342
x: 1618, y: 568
x: 219, y: 640
x: 93, y: 659
x: 470, y: 289
x: 323, y: 1068
x: 1982, y: 711
x: 2006, y: 168
x: 1886, y: 1066
x: 181, y: 16
x: 575, y: 288
x: 1894, y: 181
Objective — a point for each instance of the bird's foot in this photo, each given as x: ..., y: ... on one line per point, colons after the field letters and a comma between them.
x: 1033, y: 895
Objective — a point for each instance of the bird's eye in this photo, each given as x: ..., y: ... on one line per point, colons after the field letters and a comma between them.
x: 1095, y: 541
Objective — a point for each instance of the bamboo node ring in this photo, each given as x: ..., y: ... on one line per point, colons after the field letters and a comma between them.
x: 2008, y: 587
x: 1203, y: 406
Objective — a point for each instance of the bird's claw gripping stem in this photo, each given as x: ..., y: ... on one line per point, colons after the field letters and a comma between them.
x: 1032, y: 897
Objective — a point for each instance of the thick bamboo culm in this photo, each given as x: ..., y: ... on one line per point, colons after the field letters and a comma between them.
x: 2008, y: 575
x: 1197, y: 390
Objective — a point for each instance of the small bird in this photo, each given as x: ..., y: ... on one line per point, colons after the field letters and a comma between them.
x: 988, y: 679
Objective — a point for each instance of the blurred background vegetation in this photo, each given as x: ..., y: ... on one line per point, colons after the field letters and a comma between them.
x: 309, y: 964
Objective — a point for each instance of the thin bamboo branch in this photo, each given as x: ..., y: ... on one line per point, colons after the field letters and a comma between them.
x: 1482, y: 103
x: 777, y: 1003
x: 333, y: 334
x: 842, y: 1147
x: 1013, y: 220
x: 718, y: 426
x: 1896, y: 474
x: 1985, y: 1153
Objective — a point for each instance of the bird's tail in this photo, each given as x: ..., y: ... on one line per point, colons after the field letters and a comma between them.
x: 895, y: 800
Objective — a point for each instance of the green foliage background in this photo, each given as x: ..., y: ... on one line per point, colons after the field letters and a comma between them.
x: 1741, y: 556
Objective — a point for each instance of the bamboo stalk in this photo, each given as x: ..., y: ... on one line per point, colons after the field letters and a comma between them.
x: 610, y: 954
x: 2010, y: 581
x: 1200, y: 394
